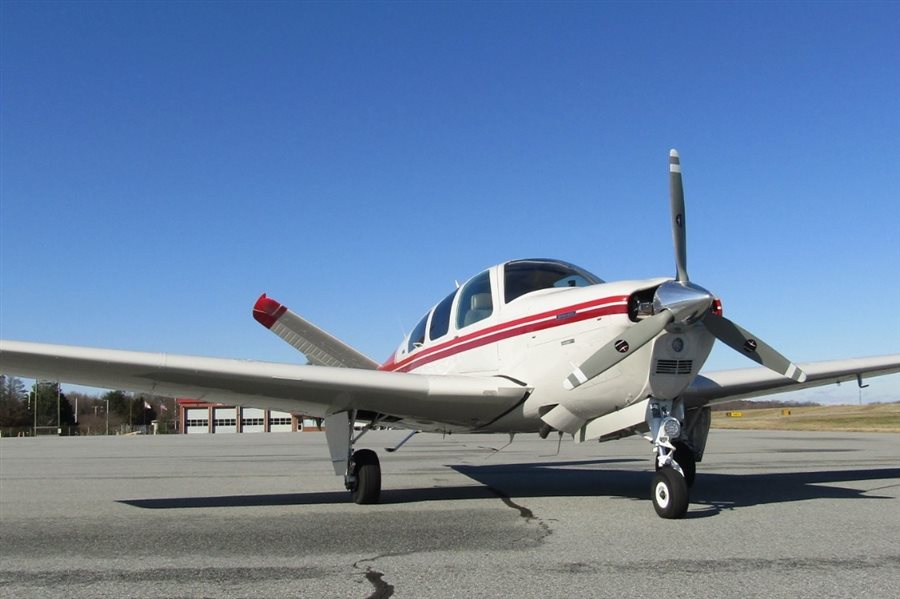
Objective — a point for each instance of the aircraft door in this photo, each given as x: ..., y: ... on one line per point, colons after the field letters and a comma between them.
x: 476, y: 311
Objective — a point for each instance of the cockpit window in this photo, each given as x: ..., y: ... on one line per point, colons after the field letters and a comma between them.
x: 475, y: 301
x: 417, y: 337
x: 440, y: 320
x: 525, y: 276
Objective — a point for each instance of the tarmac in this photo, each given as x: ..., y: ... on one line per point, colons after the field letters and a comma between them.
x: 773, y: 514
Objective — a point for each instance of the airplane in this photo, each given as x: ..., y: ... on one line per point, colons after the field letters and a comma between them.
x: 527, y: 346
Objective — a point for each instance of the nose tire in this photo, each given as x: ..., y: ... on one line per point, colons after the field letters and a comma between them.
x: 669, y: 493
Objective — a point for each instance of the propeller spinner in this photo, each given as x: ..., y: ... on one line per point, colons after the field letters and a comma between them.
x: 680, y: 302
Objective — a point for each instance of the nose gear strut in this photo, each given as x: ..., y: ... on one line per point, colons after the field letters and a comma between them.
x: 674, y: 460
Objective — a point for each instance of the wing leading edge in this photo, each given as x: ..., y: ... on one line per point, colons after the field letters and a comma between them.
x: 725, y: 385
x: 457, y: 401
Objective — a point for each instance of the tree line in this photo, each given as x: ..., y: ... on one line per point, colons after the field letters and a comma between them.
x: 46, y: 409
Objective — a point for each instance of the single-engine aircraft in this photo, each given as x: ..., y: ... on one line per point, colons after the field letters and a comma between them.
x: 526, y: 346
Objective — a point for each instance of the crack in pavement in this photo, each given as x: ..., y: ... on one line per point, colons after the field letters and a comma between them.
x: 524, y: 512
x: 383, y: 590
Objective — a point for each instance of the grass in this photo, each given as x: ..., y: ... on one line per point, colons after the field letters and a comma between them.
x: 881, y: 418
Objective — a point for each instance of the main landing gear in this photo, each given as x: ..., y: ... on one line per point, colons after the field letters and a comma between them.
x: 676, y: 462
x: 361, y: 468
x: 363, y: 478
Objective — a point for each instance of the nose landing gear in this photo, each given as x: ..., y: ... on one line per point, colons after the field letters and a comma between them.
x: 676, y: 465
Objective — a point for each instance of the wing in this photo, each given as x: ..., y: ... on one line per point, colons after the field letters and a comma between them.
x: 321, y: 348
x: 714, y: 387
x: 426, y: 401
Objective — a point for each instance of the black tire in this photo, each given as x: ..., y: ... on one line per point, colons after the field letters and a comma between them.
x: 669, y: 493
x: 685, y: 458
x: 367, y: 470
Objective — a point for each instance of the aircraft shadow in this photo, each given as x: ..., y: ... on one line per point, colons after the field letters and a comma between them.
x: 712, y: 493
x: 388, y: 496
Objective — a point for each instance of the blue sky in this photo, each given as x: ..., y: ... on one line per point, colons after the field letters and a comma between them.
x: 162, y: 164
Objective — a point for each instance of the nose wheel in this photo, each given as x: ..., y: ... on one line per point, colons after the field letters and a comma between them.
x: 676, y: 464
x: 669, y: 492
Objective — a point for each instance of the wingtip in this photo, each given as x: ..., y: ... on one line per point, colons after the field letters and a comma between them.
x: 267, y: 311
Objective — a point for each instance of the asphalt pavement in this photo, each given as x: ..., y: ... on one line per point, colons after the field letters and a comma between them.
x: 773, y: 514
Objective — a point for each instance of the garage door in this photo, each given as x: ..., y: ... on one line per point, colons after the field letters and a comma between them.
x: 225, y: 420
x: 253, y: 420
x: 279, y: 422
x: 197, y: 420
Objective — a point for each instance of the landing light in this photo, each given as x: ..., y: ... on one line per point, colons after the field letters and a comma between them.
x: 672, y: 427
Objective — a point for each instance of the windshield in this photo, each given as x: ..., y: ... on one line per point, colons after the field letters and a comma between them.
x: 525, y: 276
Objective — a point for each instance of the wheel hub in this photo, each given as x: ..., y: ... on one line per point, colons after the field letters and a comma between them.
x: 662, y: 495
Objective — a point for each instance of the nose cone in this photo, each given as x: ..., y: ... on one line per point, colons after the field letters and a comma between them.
x: 687, y: 302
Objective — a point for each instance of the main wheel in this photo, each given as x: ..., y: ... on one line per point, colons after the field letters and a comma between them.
x: 367, y: 471
x: 669, y: 493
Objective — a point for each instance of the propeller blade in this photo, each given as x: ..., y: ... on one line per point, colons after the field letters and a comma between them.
x: 679, y: 234
x: 631, y: 340
x: 746, y: 343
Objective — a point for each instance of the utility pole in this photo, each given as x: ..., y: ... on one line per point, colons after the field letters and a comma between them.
x: 58, y: 411
x: 36, y: 384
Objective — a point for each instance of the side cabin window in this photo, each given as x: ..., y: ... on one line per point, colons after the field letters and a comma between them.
x: 475, y: 301
x: 524, y: 276
x: 417, y: 337
x: 440, y: 319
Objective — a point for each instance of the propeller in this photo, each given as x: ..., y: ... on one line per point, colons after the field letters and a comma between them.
x: 679, y: 233
x: 744, y: 342
x: 680, y: 302
x: 631, y: 339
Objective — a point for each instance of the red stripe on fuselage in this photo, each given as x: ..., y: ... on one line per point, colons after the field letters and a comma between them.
x: 513, y: 328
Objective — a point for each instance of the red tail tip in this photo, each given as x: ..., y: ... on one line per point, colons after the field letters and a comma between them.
x: 267, y: 311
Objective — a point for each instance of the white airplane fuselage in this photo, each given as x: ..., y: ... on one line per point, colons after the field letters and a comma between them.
x: 540, y: 337
x: 530, y: 345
